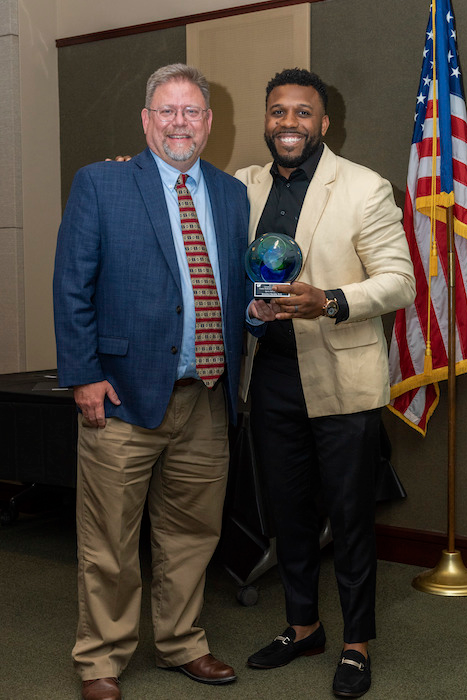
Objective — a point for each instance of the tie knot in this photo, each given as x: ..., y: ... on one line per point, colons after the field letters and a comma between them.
x: 182, y: 179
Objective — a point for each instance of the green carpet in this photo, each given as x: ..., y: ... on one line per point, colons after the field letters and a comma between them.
x: 419, y: 654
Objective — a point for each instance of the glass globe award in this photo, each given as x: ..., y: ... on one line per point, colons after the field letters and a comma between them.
x: 273, y: 258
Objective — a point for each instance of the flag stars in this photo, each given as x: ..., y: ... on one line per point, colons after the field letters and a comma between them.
x: 429, y: 36
x: 427, y: 80
x: 449, y: 17
x: 450, y: 56
x: 421, y: 99
x: 455, y: 73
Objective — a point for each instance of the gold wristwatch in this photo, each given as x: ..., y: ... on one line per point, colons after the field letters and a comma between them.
x: 331, y: 308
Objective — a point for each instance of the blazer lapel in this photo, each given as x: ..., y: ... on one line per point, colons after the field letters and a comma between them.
x: 258, y: 193
x: 221, y: 226
x: 315, y: 201
x: 150, y: 186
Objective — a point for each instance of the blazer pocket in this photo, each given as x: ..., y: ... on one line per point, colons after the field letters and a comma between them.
x: 352, y: 335
x: 112, y: 346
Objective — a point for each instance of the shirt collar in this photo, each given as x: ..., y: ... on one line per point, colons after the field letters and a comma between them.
x: 169, y: 174
x: 306, y: 169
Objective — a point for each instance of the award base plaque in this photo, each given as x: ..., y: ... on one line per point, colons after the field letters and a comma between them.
x: 264, y: 290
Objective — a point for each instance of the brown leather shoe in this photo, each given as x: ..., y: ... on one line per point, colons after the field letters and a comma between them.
x: 101, y: 689
x: 209, y: 670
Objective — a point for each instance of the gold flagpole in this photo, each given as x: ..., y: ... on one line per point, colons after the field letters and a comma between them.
x: 449, y: 577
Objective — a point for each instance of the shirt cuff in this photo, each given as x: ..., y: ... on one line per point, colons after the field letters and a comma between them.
x: 253, y: 321
x: 338, y: 294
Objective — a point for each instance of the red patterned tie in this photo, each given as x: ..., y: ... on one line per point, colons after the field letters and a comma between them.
x: 209, y: 346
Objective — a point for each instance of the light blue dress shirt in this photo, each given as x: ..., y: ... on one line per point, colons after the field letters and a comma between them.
x: 197, y: 186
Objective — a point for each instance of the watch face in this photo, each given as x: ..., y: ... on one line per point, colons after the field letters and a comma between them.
x: 332, y: 308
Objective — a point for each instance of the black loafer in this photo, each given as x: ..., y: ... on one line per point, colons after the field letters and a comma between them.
x: 353, y: 675
x: 284, y: 649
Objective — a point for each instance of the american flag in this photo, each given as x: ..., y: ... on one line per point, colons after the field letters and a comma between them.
x: 437, y: 179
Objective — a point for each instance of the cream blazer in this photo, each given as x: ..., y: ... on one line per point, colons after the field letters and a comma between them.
x: 351, y: 237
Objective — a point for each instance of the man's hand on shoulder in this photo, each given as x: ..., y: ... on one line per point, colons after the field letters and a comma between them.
x: 121, y: 159
x: 90, y: 399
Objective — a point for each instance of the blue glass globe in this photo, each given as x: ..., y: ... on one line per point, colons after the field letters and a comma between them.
x: 273, y: 257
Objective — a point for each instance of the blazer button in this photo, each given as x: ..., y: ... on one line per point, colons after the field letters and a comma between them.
x: 178, y: 309
x: 174, y: 350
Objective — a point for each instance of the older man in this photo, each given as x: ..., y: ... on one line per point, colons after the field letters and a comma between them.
x: 149, y: 325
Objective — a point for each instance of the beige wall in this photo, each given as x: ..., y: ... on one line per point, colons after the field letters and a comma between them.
x: 11, y: 224
x: 40, y: 174
x: 221, y: 48
x: 85, y: 16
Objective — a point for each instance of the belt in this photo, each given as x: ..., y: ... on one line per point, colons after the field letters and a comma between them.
x: 187, y: 381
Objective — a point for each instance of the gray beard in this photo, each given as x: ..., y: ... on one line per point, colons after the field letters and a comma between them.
x: 179, y: 155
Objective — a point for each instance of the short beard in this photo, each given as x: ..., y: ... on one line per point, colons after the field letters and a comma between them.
x: 287, y: 161
x: 180, y: 156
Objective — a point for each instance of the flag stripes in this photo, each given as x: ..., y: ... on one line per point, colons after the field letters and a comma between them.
x: 423, y: 326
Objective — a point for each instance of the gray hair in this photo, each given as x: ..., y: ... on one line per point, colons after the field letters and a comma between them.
x: 176, y: 71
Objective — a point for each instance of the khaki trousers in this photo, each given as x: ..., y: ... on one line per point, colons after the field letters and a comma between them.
x: 181, y: 467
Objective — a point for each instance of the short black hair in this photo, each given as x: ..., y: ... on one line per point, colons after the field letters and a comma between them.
x: 299, y: 76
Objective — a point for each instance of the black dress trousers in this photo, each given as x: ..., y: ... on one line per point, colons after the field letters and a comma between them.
x: 299, y: 458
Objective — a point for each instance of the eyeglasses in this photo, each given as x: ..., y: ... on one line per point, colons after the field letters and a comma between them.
x: 168, y: 114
